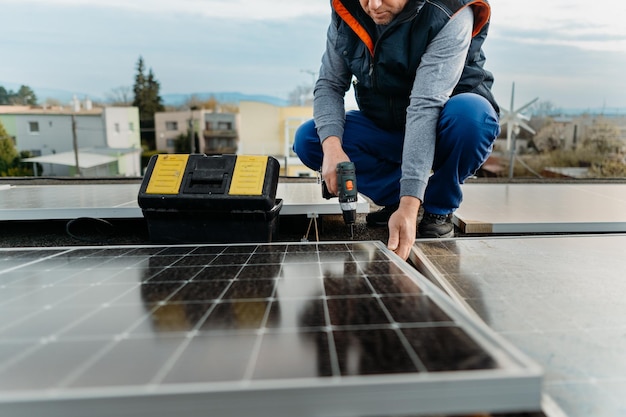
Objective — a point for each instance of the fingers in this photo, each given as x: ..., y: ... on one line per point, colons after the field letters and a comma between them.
x: 400, y: 244
x: 333, y: 154
x: 402, y: 231
x: 394, y: 238
x: 403, y: 250
x: 330, y: 178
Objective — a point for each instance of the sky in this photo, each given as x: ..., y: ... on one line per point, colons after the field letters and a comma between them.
x: 569, y: 53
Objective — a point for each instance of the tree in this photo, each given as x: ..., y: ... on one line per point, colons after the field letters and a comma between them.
x: 4, y: 96
x: 603, y: 137
x: 8, y: 153
x: 302, y: 95
x: 120, y: 96
x: 146, y: 93
x: 195, y: 103
x: 148, y: 101
x: 25, y: 96
x: 154, y: 102
x: 140, y: 82
x: 544, y: 108
x: 182, y: 144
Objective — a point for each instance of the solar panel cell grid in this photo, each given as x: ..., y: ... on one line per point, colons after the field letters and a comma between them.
x: 164, y: 318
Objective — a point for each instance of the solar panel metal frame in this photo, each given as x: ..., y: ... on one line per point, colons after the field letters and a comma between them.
x: 119, y: 201
x: 516, y: 385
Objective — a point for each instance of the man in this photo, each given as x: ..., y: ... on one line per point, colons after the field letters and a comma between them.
x: 424, y: 104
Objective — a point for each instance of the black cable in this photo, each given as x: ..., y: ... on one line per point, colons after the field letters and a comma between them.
x: 98, y: 223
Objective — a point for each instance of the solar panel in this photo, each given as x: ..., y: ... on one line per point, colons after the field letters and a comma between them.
x: 308, y: 329
x: 53, y: 202
x: 559, y: 299
x: 542, y: 208
x: 111, y: 201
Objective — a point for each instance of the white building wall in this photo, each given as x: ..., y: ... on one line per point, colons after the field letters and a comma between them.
x: 122, y: 127
x: 129, y: 165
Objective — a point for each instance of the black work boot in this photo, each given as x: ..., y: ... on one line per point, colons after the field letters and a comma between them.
x: 381, y: 217
x: 436, y: 226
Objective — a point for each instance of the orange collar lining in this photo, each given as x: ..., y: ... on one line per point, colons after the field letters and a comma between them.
x: 350, y: 20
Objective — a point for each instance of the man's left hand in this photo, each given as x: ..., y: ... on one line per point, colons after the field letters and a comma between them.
x: 403, y: 226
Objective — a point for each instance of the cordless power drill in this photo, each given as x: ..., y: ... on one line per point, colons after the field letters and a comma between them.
x: 346, y: 191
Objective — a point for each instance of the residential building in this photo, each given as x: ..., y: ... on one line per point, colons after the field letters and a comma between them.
x: 209, y: 132
x: 267, y: 129
x: 50, y: 134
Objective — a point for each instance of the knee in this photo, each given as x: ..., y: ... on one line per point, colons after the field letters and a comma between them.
x: 307, y: 146
x: 470, y: 121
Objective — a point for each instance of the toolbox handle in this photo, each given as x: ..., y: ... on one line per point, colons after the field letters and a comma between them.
x: 206, y: 181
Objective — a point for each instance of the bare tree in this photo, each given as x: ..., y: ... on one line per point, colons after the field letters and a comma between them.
x: 603, y: 136
x: 544, y: 108
x: 302, y: 95
x: 121, y: 96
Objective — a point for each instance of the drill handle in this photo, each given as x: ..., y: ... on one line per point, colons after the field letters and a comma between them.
x: 325, y: 193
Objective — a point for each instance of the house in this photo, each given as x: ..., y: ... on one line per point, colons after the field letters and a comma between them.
x: 111, y: 132
x: 267, y: 129
x: 208, y: 132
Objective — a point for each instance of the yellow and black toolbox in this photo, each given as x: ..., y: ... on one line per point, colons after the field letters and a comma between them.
x: 201, y: 198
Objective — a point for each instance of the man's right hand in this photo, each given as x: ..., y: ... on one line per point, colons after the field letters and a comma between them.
x: 403, y: 226
x: 333, y: 155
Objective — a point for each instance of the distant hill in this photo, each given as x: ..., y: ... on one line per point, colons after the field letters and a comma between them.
x: 65, y: 97
x: 226, y: 98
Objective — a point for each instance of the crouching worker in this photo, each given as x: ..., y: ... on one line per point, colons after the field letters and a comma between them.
x: 425, y: 106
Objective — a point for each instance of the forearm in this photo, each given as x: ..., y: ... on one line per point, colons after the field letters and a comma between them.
x: 436, y: 77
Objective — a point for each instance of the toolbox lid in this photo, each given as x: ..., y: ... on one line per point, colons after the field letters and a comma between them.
x: 209, y: 182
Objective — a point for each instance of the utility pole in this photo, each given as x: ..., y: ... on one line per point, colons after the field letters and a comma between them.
x: 75, y: 143
x: 191, y: 141
x: 513, y: 149
x: 513, y: 119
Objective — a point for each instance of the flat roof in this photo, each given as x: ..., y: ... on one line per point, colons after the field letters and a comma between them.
x: 85, y: 159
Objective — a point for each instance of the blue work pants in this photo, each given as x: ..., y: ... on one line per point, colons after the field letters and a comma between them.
x: 468, y: 125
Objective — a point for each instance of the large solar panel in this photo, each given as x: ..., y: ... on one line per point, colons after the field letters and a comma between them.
x: 542, y: 208
x: 307, y: 329
x: 560, y: 299
x: 112, y: 201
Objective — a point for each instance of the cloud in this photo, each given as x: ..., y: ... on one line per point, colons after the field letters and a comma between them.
x: 568, y: 76
x: 94, y: 50
x: 557, y: 51
x: 227, y: 9
x: 596, y: 26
